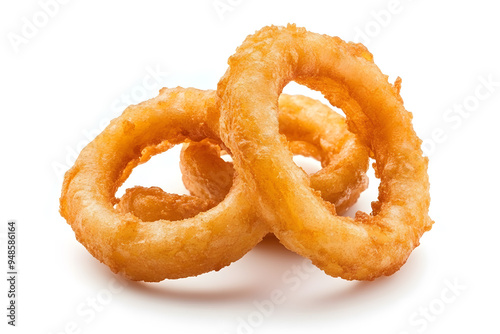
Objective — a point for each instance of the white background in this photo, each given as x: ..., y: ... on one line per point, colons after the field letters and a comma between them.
x: 80, y: 67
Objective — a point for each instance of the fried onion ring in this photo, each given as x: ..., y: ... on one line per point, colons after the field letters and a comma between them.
x: 312, y: 129
x: 369, y: 245
x: 151, y: 235
x: 155, y: 250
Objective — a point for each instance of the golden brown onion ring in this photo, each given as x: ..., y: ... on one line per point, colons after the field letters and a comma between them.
x: 313, y: 130
x: 369, y: 245
x: 153, y: 251
x: 139, y: 236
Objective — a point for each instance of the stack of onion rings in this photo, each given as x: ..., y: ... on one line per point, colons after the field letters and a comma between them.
x: 151, y: 235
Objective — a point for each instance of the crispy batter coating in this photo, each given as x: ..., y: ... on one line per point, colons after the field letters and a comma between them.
x: 150, y: 204
x: 204, y: 173
x: 362, y: 248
